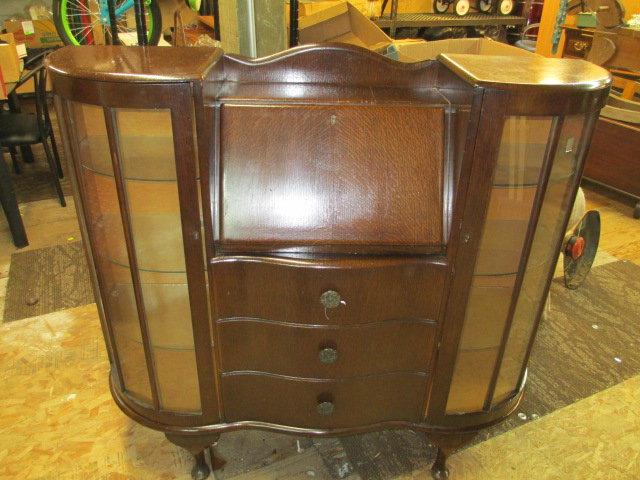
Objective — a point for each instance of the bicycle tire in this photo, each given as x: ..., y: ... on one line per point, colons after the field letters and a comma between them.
x: 440, y: 6
x: 68, y: 38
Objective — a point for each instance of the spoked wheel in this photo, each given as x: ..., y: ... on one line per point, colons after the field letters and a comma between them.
x: 580, y: 248
x: 484, y: 5
x: 505, y: 7
x: 79, y: 22
x: 461, y: 7
x: 440, y: 6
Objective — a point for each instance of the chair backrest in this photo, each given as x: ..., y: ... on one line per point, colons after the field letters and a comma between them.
x: 40, y: 89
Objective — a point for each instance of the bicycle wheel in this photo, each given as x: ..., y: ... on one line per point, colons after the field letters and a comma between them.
x: 484, y: 5
x: 78, y: 22
x: 440, y: 6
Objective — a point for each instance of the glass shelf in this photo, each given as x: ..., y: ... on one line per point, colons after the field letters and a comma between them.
x: 489, y: 298
x: 167, y: 309
x: 158, y: 250
x: 148, y: 159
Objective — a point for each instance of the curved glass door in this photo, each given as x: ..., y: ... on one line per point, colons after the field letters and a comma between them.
x: 515, y: 183
x: 542, y: 257
x: 147, y: 307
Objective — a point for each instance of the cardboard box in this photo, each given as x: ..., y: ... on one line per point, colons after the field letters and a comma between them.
x: 420, y: 50
x: 342, y: 23
x: 311, y: 8
x: 29, y: 85
x: 9, y: 59
x: 34, y: 33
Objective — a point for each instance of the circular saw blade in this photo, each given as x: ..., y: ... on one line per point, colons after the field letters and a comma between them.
x: 577, y: 262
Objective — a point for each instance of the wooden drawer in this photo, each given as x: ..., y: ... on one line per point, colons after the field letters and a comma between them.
x: 327, y: 351
x: 577, y: 44
x: 369, y: 291
x: 323, y: 404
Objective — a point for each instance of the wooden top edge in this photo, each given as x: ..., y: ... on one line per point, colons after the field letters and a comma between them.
x: 325, y: 48
x: 133, y: 63
x: 519, y: 72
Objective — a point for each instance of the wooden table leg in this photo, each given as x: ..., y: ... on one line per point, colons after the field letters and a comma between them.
x: 10, y: 206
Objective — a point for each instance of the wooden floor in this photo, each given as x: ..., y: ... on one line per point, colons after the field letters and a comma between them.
x: 58, y: 421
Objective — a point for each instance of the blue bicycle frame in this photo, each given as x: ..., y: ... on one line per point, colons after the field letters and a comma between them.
x: 120, y: 10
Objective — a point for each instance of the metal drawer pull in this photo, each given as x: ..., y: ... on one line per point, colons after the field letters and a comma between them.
x: 328, y: 355
x: 330, y: 299
x: 325, y: 408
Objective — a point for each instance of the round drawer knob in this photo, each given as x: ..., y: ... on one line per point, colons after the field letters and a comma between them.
x: 328, y: 355
x: 330, y: 299
x: 325, y: 408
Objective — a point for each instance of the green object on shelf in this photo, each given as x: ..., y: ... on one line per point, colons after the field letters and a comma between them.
x: 587, y: 19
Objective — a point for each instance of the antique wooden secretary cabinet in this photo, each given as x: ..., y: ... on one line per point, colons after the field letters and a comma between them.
x: 324, y: 241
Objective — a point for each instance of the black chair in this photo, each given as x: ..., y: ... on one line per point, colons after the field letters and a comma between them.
x: 10, y: 206
x: 21, y: 129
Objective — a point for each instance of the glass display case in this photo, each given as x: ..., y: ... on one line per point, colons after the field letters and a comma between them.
x: 284, y: 244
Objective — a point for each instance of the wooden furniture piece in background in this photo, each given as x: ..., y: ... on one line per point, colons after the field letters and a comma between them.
x: 613, y: 159
x: 577, y: 42
x: 288, y: 244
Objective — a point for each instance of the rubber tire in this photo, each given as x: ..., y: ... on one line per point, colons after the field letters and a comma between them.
x: 155, y: 12
x: 435, y: 6
x: 487, y: 9
x: 499, y: 9
x: 455, y: 7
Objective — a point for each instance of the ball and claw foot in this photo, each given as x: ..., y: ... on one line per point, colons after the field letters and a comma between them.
x: 439, y: 470
x: 200, y: 470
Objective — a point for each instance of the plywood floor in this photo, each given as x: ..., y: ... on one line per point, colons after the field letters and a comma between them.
x: 57, y: 419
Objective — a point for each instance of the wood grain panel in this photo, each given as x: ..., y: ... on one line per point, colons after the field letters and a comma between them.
x: 308, y: 175
x: 295, y: 350
x: 357, y: 401
x: 289, y: 291
x: 618, y: 167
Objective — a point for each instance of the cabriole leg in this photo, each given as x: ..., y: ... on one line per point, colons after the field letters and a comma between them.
x: 200, y: 470
x: 439, y: 468
x: 447, y: 444
x: 198, y: 445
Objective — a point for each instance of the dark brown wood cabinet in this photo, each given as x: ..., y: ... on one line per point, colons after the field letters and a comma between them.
x: 324, y: 241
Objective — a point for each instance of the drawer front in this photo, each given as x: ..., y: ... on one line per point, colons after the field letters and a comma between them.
x: 578, y: 46
x: 323, y: 404
x: 325, y: 352
x: 336, y: 293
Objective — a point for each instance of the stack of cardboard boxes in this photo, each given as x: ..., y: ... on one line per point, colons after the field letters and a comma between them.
x: 22, y: 35
x: 344, y: 23
x: 10, y: 61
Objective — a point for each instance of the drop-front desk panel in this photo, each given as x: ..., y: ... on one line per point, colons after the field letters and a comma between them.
x: 325, y: 241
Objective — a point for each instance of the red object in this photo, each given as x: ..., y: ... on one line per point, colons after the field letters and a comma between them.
x: 575, y: 247
x: 85, y: 19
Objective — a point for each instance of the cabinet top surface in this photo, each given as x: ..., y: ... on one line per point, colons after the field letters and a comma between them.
x: 134, y: 64
x: 519, y: 72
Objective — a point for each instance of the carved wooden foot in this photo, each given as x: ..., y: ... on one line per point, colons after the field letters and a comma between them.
x: 198, y: 445
x: 447, y: 444
x: 200, y: 470
x: 439, y: 468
